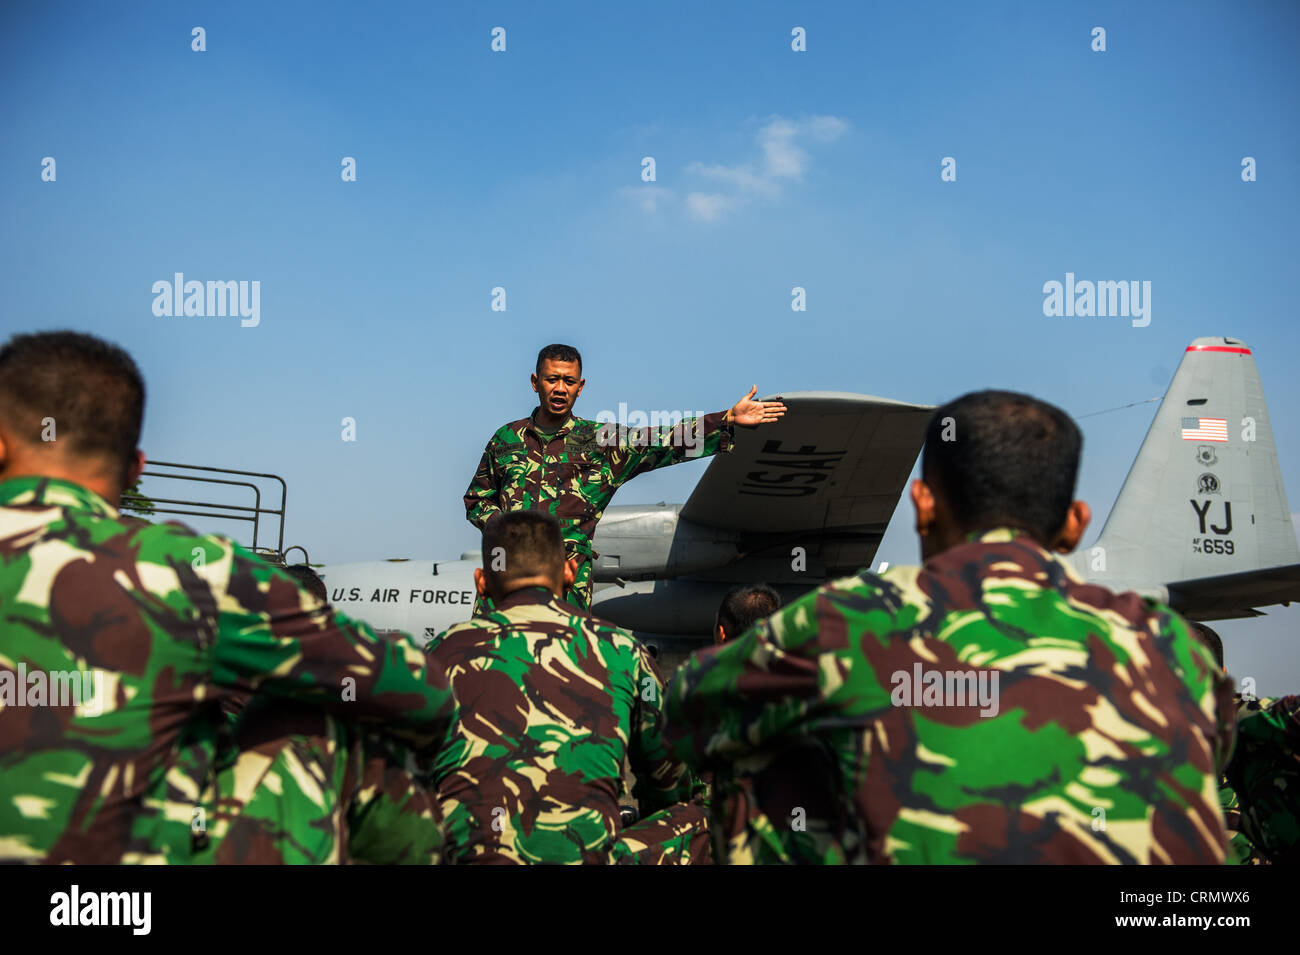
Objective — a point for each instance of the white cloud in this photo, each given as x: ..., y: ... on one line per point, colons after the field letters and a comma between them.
x: 826, y: 128
x: 706, y: 207
x: 781, y: 160
x: 649, y: 197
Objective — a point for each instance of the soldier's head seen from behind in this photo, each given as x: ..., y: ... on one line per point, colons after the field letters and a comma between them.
x: 1211, y: 639
x: 71, y: 407
x: 558, y: 381
x: 523, y: 549
x: 999, y: 459
x: 743, y: 607
x: 310, y: 580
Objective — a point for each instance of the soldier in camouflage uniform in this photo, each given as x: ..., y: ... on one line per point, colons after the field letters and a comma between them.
x: 570, y: 467
x: 1241, y: 851
x: 987, y: 707
x: 740, y: 795
x: 550, y: 702
x: 1264, y: 779
x: 146, y: 767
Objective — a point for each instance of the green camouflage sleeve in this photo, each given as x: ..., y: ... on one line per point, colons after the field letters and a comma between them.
x: 481, y: 496
x: 1276, y: 722
x: 1265, y: 774
x: 645, y: 449
x: 1203, y: 678
x: 751, y: 691
x: 661, y: 779
x: 273, y: 637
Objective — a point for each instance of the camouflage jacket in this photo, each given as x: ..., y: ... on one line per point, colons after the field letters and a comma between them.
x: 550, y: 701
x: 1264, y: 778
x: 988, y: 707
x: 575, y: 473
x: 153, y: 626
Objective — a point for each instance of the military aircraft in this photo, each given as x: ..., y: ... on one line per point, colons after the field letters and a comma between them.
x: 1201, y: 522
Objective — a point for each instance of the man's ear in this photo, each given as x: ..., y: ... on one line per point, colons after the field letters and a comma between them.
x: 532, y: 379
x: 4, y: 451
x: 570, y: 572
x: 923, y: 504
x: 480, y: 582
x: 134, y: 470
x: 1077, y: 518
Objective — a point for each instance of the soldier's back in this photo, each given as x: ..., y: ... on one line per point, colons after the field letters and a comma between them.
x: 115, y: 608
x: 546, y: 701
x: 1092, y: 734
x: 989, y: 707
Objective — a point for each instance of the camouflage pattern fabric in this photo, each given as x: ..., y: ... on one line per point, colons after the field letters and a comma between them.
x: 304, y: 787
x: 1110, y: 727
x: 550, y: 702
x: 762, y: 811
x: 1241, y: 851
x: 1265, y: 776
x: 678, y: 835
x: 574, y: 473
x: 167, y: 623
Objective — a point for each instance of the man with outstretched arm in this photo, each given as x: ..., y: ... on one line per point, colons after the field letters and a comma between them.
x: 570, y: 467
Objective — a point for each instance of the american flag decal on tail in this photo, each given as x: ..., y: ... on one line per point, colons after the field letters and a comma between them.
x: 1205, y: 429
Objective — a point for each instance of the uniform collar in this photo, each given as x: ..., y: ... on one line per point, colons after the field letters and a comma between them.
x: 565, y: 428
x: 54, y: 492
x: 526, y: 595
x: 1011, y: 535
x: 537, y: 597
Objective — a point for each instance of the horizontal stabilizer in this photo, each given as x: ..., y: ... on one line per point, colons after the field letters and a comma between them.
x: 1235, y: 595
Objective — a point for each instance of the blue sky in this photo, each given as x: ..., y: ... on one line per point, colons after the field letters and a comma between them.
x: 522, y: 170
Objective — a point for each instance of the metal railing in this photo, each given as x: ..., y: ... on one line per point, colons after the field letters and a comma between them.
x: 232, y: 512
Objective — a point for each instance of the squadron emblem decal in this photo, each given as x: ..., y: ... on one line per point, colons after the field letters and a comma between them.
x: 1205, y: 454
x: 1207, y: 484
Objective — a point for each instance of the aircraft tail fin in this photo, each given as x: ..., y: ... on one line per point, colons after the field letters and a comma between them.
x: 1204, y: 498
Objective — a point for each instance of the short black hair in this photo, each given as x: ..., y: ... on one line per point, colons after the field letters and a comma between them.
x: 1002, y: 459
x: 745, y: 606
x: 91, y: 388
x: 559, y: 353
x: 530, y: 542
x: 310, y: 580
x: 1210, y: 639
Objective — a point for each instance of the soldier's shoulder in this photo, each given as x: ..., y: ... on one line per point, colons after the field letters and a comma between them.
x: 512, y: 432
x: 596, y: 623
x: 885, y: 590
x: 587, y: 427
x: 587, y: 436
x: 610, y: 632
x: 477, y: 628
x: 167, y: 542
x: 1163, y: 616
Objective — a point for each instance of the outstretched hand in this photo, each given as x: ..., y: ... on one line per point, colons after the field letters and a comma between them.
x: 747, y: 411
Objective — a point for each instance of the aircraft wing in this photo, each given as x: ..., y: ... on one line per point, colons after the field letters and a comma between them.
x: 827, y: 476
x: 1235, y: 595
